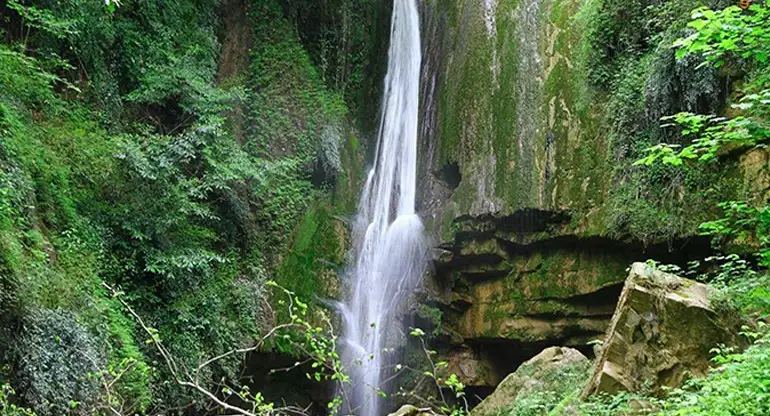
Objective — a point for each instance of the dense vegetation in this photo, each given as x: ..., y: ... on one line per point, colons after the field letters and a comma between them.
x: 628, y: 61
x: 134, y: 154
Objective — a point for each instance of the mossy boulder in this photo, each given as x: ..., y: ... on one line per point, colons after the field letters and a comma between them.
x: 554, y: 371
x: 662, y: 332
x: 409, y: 410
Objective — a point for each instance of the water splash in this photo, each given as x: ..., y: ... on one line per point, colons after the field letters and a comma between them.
x: 389, y: 242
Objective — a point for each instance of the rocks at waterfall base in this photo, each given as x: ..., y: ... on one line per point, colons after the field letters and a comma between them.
x: 409, y: 410
x: 661, y: 334
x: 551, y: 371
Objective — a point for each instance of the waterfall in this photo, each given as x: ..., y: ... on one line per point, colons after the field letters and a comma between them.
x: 389, y: 243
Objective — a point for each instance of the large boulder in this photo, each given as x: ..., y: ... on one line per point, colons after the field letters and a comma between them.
x: 661, y: 334
x: 551, y: 371
x: 409, y: 410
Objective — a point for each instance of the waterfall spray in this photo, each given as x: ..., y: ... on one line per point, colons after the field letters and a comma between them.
x: 389, y: 242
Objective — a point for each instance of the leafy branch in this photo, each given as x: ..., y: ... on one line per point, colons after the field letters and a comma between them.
x: 318, y: 345
x: 731, y: 35
x: 451, y: 382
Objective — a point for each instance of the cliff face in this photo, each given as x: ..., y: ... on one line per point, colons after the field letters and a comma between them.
x: 502, y: 111
x: 533, y: 112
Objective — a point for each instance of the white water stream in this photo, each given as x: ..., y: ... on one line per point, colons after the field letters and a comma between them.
x: 389, y: 242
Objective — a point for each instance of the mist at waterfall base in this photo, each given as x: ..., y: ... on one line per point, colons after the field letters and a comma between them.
x: 389, y: 245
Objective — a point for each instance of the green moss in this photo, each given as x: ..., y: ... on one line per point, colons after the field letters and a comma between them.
x: 506, y: 102
x: 288, y: 103
x: 349, y: 183
x: 433, y: 315
x: 493, y: 319
x: 593, y: 112
x: 315, y: 249
x: 463, y: 104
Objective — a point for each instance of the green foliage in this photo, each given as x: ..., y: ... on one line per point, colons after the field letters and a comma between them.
x: 171, y: 230
x: 729, y: 33
x: 319, y: 344
x: 286, y: 90
x: 662, y: 202
x: 315, y: 252
x: 558, y: 390
x: 738, y: 287
x: 433, y: 315
x: 146, y: 52
x: 611, y: 29
x: 631, y: 69
x: 282, y: 196
x: 613, y: 33
x: 725, y: 37
x: 619, y: 404
x: 117, y: 165
x: 338, y: 37
x: 23, y: 82
x: 127, y: 367
x: 739, y: 386
x: 743, y: 223
x: 9, y: 409
x: 454, y: 405
x: 316, y: 343
x: 711, y: 135
x: 42, y: 19
x: 220, y: 314
x: 55, y: 356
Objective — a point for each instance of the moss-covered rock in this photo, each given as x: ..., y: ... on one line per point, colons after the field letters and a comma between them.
x: 514, y: 278
x: 546, y: 104
x: 554, y: 372
x: 662, y: 333
x: 506, y: 111
x: 534, y: 112
x: 409, y: 410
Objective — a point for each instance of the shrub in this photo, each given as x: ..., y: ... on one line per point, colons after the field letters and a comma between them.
x: 9, y: 409
x: 55, y: 356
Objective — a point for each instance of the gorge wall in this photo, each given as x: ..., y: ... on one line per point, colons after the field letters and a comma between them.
x: 533, y: 112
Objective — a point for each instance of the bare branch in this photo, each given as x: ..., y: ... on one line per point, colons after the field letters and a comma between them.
x: 192, y: 381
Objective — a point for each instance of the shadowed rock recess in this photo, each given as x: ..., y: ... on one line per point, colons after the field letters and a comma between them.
x: 507, y: 287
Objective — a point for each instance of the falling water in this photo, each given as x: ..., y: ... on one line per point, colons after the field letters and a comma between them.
x: 389, y: 246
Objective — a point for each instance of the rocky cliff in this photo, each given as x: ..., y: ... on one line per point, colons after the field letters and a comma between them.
x: 533, y: 112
